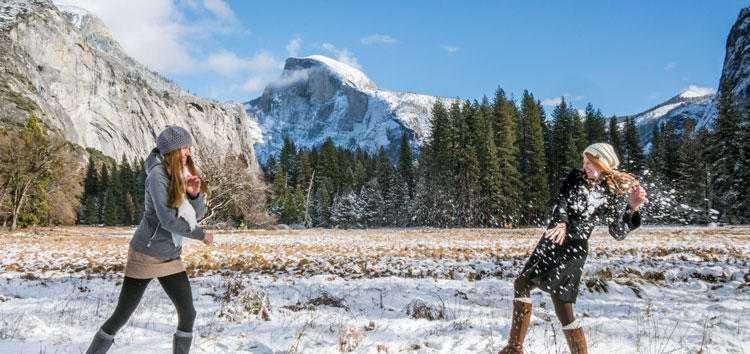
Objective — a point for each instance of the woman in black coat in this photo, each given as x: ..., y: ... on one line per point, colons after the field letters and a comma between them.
x: 594, y: 195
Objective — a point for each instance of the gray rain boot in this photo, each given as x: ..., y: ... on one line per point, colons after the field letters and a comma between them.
x: 181, y: 342
x: 101, y: 343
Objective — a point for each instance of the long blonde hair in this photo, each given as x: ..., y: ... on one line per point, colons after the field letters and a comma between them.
x: 176, y: 190
x: 619, y: 183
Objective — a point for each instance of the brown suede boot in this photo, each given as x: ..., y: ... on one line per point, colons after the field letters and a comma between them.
x: 518, y: 328
x: 576, y: 340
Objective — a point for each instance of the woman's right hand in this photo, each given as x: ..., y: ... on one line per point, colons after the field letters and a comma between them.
x: 208, y: 238
x: 557, y: 233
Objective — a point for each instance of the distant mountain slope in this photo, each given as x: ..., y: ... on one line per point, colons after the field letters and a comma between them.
x: 64, y: 66
x: 317, y: 97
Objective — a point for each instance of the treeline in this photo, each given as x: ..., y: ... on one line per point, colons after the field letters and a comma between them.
x: 43, y: 180
x: 701, y: 175
x: 500, y: 164
x: 113, y: 194
x: 39, y: 180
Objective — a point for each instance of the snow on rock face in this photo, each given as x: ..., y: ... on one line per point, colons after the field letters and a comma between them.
x: 736, y: 71
x: 317, y: 97
x: 695, y: 103
x: 66, y: 67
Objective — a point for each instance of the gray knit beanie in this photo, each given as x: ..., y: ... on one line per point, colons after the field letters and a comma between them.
x: 173, y: 138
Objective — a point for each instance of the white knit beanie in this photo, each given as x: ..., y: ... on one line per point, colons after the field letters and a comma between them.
x: 605, y: 153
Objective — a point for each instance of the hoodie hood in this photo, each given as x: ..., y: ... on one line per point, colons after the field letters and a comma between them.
x: 153, y: 160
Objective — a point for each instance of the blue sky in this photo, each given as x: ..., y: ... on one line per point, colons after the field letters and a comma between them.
x: 624, y: 57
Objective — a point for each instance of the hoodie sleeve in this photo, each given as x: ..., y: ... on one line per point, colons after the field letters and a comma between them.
x: 157, y: 185
x: 621, y: 222
x: 199, y: 204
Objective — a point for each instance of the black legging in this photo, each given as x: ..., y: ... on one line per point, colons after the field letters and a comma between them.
x: 177, y: 287
x: 523, y: 286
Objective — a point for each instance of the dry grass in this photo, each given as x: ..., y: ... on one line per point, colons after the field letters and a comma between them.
x: 472, y: 253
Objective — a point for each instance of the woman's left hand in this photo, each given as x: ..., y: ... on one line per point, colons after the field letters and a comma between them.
x: 557, y: 233
x: 637, y: 197
x: 193, y: 186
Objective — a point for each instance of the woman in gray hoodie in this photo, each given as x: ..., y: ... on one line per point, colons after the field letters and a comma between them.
x: 175, y: 200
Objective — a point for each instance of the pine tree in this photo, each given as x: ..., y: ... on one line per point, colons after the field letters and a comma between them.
x: 305, y: 169
x: 724, y: 150
x: 346, y: 211
x: 373, y: 204
x: 579, y: 135
x: 279, y: 192
x: 466, y: 163
x: 564, y: 149
x: 109, y: 216
x: 299, y: 206
x: 139, y: 190
x: 127, y: 183
x: 321, y: 206
x: 91, y: 209
x: 504, y: 116
x: 691, y: 176
x: 615, y: 136
x: 489, y: 172
x: 104, y: 186
x: 740, y: 189
x: 113, y: 203
x: 532, y: 162
x: 632, y: 160
x: 405, y: 164
x: 385, y: 170
x: 594, y: 125
x: 396, y: 202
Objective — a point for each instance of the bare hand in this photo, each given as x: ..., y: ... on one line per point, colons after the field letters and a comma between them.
x: 193, y: 185
x: 637, y: 197
x: 557, y: 233
x: 208, y: 238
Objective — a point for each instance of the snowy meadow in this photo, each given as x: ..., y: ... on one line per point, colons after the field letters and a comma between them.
x: 662, y: 290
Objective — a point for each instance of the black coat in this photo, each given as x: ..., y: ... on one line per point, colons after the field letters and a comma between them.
x: 557, y: 269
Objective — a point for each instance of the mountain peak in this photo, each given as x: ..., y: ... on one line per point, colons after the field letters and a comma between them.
x: 348, y: 75
x: 695, y: 91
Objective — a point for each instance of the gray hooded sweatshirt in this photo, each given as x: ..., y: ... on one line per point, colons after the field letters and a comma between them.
x: 154, y: 234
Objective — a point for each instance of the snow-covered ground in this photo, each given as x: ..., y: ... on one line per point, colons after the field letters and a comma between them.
x: 662, y: 290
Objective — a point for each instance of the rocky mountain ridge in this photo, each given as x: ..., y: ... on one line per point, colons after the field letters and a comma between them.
x: 318, y: 97
x: 65, y: 67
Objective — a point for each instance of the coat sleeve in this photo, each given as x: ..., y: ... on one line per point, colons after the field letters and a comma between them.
x: 199, y: 204
x: 560, y: 211
x: 157, y: 186
x: 620, y: 221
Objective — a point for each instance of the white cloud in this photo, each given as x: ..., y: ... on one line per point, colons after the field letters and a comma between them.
x: 449, y: 49
x: 293, y: 47
x: 556, y: 101
x: 295, y: 76
x: 654, y: 95
x: 670, y: 66
x: 581, y: 112
x: 696, y: 91
x: 253, y: 84
x: 551, y: 101
x: 378, y: 38
x: 342, y: 55
x: 220, y: 9
x: 686, y: 78
x: 156, y: 32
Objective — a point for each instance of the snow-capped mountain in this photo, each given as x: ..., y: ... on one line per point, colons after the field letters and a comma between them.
x: 318, y: 97
x: 64, y: 66
x: 694, y: 103
x: 700, y: 104
x: 736, y: 72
